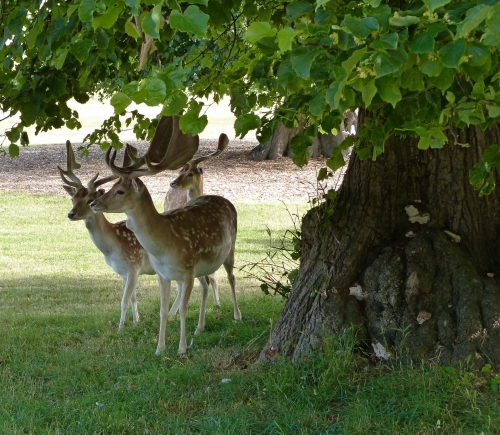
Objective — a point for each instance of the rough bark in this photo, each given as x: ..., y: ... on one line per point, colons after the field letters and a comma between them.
x: 402, y: 279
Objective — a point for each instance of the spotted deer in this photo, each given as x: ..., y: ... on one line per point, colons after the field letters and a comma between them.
x: 117, y: 243
x: 187, y: 186
x: 193, y: 241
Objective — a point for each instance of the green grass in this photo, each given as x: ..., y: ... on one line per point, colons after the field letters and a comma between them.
x: 64, y: 368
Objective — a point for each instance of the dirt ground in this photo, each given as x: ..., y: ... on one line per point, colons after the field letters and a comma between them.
x: 233, y: 174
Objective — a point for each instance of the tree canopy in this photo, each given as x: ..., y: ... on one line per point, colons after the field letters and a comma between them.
x: 421, y: 68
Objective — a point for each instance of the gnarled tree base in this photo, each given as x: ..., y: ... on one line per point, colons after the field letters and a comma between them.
x: 414, y: 286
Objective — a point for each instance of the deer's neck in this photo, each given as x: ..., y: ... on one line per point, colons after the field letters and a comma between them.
x: 196, y: 191
x: 101, y: 232
x: 147, y: 224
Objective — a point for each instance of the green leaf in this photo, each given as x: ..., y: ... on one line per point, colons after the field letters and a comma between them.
x: 388, y: 89
x: 373, y: 3
x: 477, y: 53
x: 120, y: 102
x: 302, y: 58
x: 493, y: 111
x: 285, y: 38
x: 475, y: 16
x: 175, y: 102
x: 150, y: 26
x: 450, y: 54
x: 478, y: 174
x: 130, y: 30
x: 192, y: 123
x: 244, y: 123
x: 81, y: 49
x: 336, y: 161
x: 491, y: 156
x: 350, y: 63
x: 360, y: 28
x: 413, y: 80
x: 422, y: 43
x: 13, y: 150
x: 318, y: 103
x: 398, y: 21
x: 156, y: 92
x: 86, y: 10
x: 258, y: 30
x: 434, y: 4
x: 430, y: 66
x: 192, y: 21
x: 33, y: 34
x: 334, y: 93
x: 444, y: 80
x: 388, y: 62
x: 296, y: 9
x: 368, y: 92
x: 108, y: 19
x: 299, y: 145
x: 364, y: 152
x: 386, y: 41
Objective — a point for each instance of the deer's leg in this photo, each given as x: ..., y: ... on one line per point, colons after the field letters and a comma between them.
x: 215, y: 288
x: 187, y: 288
x: 229, y: 266
x: 204, y: 293
x: 164, y: 301
x: 128, y: 294
x: 177, y: 302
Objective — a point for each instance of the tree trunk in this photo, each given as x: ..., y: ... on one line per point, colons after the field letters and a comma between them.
x: 323, y: 144
x: 405, y: 284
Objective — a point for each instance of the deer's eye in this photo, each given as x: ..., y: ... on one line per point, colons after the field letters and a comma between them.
x: 89, y: 201
x: 120, y: 192
x: 190, y: 174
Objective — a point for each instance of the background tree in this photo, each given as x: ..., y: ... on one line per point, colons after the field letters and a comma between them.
x: 407, y: 234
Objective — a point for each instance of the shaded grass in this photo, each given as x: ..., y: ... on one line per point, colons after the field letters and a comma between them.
x: 64, y: 368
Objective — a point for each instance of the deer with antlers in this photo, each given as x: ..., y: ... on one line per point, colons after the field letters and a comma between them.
x: 193, y: 241
x: 187, y: 186
x: 118, y: 244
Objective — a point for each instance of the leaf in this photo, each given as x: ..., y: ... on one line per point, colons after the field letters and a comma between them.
x: 120, y: 102
x: 258, y: 30
x: 477, y: 53
x: 406, y: 21
x: 175, y: 102
x: 444, y: 80
x: 493, y: 111
x: 368, y: 91
x: 317, y: 104
x: 13, y: 150
x: 360, y: 28
x: 285, y: 38
x: 478, y: 174
x: 150, y: 26
x: 296, y: 9
x: 86, y: 10
x: 450, y: 54
x: 475, y: 16
x: 334, y: 93
x: 190, y: 123
x: 108, y: 19
x: 373, y: 3
x: 192, y: 21
x: 336, y: 161
x: 434, y: 4
x: 386, y: 41
x: 81, y: 49
x: 130, y: 30
x: 302, y: 58
x: 388, y: 62
x: 245, y: 123
x: 388, y: 90
x: 299, y: 145
x: 430, y: 66
x: 156, y: 92
x: 491, y: 156
x: 413, y: 80
x: 350, y: 63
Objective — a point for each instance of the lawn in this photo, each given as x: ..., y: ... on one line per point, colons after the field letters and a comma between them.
x: 65, y: 369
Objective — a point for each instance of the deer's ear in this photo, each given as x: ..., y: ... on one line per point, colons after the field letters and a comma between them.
x: 71, y: 190
x: 100, y: 192
x: 135, y: 186
x: 200, y: 170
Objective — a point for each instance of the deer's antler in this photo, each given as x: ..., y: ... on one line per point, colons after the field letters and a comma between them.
x: 169, y: 149
x: 71, y: 164
x: 223, y: 141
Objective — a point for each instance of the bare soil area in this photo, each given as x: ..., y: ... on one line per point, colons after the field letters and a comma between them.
x: 233, y: 174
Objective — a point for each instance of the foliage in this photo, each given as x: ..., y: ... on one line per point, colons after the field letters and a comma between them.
x: 422, y: 68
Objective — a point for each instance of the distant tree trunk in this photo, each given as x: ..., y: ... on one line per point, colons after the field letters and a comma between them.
x: 427, y: 292
x: 323, y: 144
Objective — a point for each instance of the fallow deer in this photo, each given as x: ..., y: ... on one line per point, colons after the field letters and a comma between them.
x: 117, y: 243
x: 187, y: 186
x: 183, y: 244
